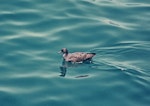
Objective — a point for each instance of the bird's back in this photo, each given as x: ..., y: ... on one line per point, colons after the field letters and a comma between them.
x: 78, y: 57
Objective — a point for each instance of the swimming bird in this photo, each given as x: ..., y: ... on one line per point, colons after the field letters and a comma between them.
x: 76, y: 57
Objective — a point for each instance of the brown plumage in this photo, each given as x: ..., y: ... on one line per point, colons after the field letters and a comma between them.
x: 76, y: 57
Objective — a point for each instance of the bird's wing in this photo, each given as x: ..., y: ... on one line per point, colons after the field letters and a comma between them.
x: 76, y: 57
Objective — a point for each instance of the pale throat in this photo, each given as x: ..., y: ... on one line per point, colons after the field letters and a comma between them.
x: 65, y: 54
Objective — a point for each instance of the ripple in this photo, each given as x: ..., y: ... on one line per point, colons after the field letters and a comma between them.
x: 118, y: 24
x: 122, y: 55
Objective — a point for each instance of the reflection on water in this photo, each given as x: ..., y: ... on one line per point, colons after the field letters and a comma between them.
x: 63, y: 71
x: 65, y: 65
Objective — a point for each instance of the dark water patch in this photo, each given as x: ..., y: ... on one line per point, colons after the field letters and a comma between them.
x: 7, y: 99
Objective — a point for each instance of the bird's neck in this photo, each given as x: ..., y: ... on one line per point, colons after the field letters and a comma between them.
x: 65, y: 54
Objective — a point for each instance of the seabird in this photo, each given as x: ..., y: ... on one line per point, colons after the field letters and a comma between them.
x: 76, y: 57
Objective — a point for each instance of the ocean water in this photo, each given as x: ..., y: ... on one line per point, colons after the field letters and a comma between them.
x: 33, y: 31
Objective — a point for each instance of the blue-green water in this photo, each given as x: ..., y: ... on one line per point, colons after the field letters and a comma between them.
x: 33, y: 31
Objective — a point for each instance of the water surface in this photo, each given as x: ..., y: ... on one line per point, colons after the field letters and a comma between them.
x: 31, y: 70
